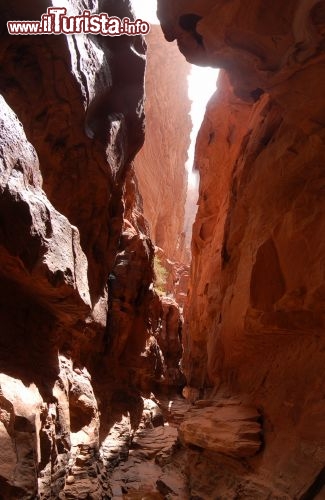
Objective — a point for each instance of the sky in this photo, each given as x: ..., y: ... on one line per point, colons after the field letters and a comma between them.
x: 146, y: 10
x: 201, y: 84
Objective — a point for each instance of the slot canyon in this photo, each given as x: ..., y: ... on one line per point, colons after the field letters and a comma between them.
x: 134, y: 365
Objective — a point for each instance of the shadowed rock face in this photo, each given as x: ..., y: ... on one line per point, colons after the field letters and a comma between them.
x: 254, y: 319
x: 79, y: 317
x: 81, y: 121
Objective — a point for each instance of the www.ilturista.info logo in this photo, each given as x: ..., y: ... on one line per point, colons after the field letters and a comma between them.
x: 56, y: 22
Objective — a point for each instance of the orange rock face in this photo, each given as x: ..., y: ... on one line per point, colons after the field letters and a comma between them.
x: 84, y: 335
x: 255, y: 316
x: 160, y: 165
x: 229, y: 429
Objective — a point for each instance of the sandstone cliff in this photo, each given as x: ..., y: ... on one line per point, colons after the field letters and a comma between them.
x: 78, y: 313
x: 255, y: 316
x: 84, y: 337
x: 160, y: 165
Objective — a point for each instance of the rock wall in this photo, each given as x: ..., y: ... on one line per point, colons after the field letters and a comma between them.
x: 78, y: 313
x: 83, y: 335
x: 160, y: 165
x: 255, y: 315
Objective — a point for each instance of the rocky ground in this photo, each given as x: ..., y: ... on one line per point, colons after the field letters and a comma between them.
x: 153, y: 466
x: 155, y: 461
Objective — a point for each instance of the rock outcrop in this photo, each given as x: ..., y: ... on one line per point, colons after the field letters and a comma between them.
x: 78, y: 313
x: 160, y: 165
x: 224, y: 427
x: 255, y: 315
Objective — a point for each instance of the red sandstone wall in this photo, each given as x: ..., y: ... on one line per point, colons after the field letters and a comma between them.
x: 160, y: 165
x: 255, y: 316
x: 79, y: 318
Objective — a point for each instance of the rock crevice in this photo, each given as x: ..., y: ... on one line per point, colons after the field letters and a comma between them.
x: 92, y: 351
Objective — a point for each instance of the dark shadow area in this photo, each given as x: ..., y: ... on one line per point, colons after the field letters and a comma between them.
x: 22, y: 424
x: 129, y: 402
x: 9, y: 492
x: 188, y: 23
x: 27, y: 340
x: 316, y: 487
x: 257, y: 93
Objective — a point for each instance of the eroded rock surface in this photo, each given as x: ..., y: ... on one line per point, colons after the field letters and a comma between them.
x: 154, y: 466
x: 84, y: 336
x: 254, y: 319
x: 79, y: 317
x: 160, y: 165
x: 230, y: 429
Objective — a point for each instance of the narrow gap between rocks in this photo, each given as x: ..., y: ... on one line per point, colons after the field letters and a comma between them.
x: 154, y: 462
x: 105, y: 392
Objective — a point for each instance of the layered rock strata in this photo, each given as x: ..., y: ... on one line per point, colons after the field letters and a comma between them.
x: 254, y: 320
x: 223, y: 427
x: 160, y: 165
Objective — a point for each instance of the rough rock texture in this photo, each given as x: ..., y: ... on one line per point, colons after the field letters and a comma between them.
x: 154, y: 467
x: 160, y: 165
x: 83, y: 333
x: 174, y: 282
x: 255, y: 316
x: 170, y: 342
x: 230, y: 429
x: 78, y: 313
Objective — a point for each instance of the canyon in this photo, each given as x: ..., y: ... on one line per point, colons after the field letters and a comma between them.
x: 123, y: 372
